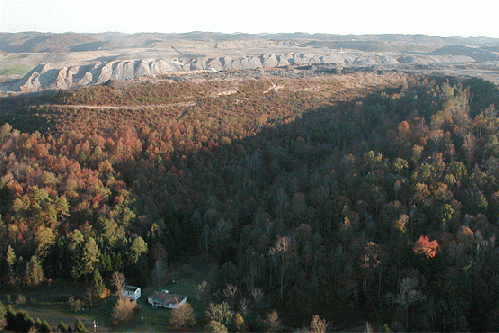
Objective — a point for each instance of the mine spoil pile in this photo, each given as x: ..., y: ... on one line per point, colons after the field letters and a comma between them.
x: 33, y: 62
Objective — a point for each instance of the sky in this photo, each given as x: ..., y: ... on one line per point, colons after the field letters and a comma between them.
x: 427, y: 17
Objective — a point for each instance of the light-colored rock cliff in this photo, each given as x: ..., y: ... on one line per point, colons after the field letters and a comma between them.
x: 58, y: 76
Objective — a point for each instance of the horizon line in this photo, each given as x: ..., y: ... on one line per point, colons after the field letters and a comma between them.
x: 245, y: 33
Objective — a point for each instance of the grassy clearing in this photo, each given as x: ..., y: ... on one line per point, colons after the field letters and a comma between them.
x: 10, y: 65
x: 52, y: 304
x: 14, y: 69
x: 54, y: 315
x: 149, y: 319
x: 54, y: 309
x: 156, y: 319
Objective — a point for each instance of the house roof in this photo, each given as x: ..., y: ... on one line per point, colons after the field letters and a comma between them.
x: 167, y: 298
x: 131, y: 288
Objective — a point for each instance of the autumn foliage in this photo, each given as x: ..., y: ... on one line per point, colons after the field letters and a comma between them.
x: 426, y: 247
x: 328, y: 196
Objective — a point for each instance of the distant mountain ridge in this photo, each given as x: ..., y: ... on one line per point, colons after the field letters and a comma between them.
x: 37, y: 42
x: 34, y: 42
x: 478, y: 54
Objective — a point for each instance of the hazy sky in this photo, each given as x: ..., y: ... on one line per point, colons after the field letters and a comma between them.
x: 428, y: 17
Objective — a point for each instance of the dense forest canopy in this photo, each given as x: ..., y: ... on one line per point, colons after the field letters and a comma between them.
x: 359, y: 197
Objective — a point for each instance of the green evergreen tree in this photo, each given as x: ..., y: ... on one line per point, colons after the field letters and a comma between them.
x: 11, y: 259
x: 79, y: 327
x: 61, y: 327
x: 98, y: 286
x: 137, y: 249
x: 34, y: 272
x: 44, y: 327
x: 19, y: 321
x: 3, y: 310
x: 10, y: 316
x: 44, y: 238
x: 25, y: 321
x: 90, y: 255
x: 74, y: 246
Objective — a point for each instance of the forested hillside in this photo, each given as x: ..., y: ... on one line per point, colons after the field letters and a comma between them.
x: 356, y: 198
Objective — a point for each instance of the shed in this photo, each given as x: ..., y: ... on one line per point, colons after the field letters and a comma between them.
x: 131, y: 292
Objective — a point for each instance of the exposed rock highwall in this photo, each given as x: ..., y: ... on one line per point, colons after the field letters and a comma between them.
x: 53, y: 76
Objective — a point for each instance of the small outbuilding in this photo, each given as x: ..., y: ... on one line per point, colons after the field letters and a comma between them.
x: 166, y: 299
x: 131, y: 292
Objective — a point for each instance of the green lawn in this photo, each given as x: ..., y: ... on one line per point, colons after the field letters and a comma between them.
x: 190, y: 275
x: 53, y: 315
x: 10, y: 65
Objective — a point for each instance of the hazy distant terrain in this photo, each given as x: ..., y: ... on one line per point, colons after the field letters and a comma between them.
x: 32, y: 61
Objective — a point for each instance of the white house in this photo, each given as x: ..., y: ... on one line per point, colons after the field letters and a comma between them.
x: 133, y: 293
x: 167, y: 300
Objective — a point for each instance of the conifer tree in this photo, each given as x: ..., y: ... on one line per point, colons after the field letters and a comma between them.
x: 98, y: 286
x: 34, y: 272
x: 44, y: 326
x: 79, y: 327
x: 11, y: 260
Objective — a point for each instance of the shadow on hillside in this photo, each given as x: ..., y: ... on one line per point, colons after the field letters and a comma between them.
x: 287, y: 152
x: 27, y: 47
x: 21, y: 111
x: 12, y: 104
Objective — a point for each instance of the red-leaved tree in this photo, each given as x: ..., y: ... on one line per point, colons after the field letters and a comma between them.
x: 423, y: 245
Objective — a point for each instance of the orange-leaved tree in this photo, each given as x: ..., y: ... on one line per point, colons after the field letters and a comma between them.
x: 425, y: 246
